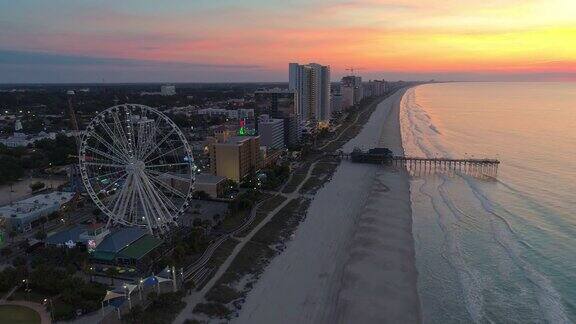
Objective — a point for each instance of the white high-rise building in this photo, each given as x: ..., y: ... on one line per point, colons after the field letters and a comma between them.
x: 312, y: 82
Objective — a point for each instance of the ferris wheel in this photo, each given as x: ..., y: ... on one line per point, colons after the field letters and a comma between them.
x: 137, y: 167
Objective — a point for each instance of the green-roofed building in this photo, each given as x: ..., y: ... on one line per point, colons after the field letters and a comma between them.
x: 140, y: 249
x: 128, y: 247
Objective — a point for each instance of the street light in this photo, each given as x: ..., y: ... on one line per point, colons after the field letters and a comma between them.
x: 128, y: 296
x: 25, y: 281
x: 141, y: 284
x: 50, y: 307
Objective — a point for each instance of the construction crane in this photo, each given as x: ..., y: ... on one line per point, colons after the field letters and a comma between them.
x: 74, y: 171
x: 73, y: 119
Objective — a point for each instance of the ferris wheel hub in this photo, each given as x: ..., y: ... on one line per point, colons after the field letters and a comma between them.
x: 135, y: 166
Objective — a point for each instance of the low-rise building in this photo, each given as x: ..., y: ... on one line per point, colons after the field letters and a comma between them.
x: 211, y: 184
x: 19, y: 139
x: 228, y: 113
x: 85, y: 235
x: 20, y: 215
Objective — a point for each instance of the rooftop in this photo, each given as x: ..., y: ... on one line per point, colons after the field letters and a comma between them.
x: 275, y: 90
x: 120, y: 239
x: 234, y: 140
x: 209, y: 178
x: 24, y: 208
x: 69, y: 234
x: 140, y: 248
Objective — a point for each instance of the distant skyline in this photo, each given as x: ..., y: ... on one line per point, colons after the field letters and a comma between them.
x: 254, y: 40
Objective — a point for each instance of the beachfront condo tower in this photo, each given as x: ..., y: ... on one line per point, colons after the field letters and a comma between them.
x: 312, y: 82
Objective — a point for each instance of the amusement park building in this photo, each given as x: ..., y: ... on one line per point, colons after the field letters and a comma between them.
x: 129, y: 246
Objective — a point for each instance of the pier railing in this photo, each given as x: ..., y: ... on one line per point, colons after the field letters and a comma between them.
x: 475, y: 167
x: 419, y: 165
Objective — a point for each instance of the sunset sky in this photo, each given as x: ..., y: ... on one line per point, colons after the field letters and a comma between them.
x: 254, y: 40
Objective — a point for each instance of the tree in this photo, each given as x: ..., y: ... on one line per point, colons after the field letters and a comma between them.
x: 188, y: 286
x: 230, y: 184
x: 10, y: 169
x: 201, y: 195
x: 135, y: 315
x: 19, y: 261
x: 37, y: 186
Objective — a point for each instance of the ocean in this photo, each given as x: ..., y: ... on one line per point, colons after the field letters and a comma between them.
x: 495, y: 249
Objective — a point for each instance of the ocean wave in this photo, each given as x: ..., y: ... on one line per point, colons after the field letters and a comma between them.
x: 419, y: 134
x: 469, y: 279
x: 421, y: 137
x: 549, y: 299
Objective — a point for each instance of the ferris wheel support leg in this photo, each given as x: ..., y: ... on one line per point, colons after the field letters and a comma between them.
x: 144, y: 207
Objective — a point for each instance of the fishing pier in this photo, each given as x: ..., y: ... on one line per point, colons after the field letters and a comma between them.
x: 419, y: 165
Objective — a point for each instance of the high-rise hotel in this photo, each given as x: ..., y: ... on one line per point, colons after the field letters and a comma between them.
x: 312, y: 82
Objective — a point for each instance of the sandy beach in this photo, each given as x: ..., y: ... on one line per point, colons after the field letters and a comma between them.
x: 352, y: 259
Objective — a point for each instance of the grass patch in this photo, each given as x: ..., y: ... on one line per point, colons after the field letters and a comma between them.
x: 222, y: 252
x: 218, y: 257
x: 233, y: 221
x: 322, y: 172
x: 271, y: 204
x: 311, y: 185
x: 365, y: 112
x: 268, y: 206
x: 297, y: 177
x: 283, y: 224
x: 324, y: 168
x: 163, y: 309
x: 213, y: 310
x: 15, y: 314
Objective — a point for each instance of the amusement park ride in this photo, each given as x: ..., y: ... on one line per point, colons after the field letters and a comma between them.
x: 137, y: 167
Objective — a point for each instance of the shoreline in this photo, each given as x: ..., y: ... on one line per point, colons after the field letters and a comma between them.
x: 343, y: 262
